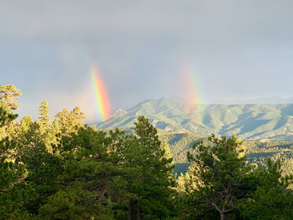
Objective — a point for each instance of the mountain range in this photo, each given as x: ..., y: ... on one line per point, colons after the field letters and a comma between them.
x: 262, y: 119
x: 266, y: 100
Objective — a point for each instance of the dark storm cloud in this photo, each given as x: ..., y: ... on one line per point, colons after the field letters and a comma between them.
x: 241, y: 49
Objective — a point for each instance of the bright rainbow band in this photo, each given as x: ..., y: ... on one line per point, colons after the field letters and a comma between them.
x: 101, y: 97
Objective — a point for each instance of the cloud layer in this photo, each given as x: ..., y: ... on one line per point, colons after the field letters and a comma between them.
x: 240, y: 49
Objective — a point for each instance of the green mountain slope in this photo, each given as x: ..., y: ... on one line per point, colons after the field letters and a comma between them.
x: 248, y: 121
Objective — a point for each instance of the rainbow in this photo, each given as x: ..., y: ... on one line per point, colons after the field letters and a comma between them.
x: 192, y: 85
x: 101, y: 98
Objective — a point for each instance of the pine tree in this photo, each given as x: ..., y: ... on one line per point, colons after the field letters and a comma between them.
x: 24, y: 126
x: 9, y: 94
x: 11, y: 170
x: 63, y: 121
x: 220, y: 168
x: 165, y: 147
x: 70, y: 121
x: 148, y: 173
x: 6, y: 118
x: 271, y: 199
x: 43, y: 111
x: 92, y: 160
x: 42, y: 164
x: 54, y: 131
x: 77, y: 116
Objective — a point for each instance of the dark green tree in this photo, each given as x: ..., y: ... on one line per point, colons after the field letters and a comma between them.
x: 92, y: 160
x: 148, y: 173
x: 43, y: 165
x: 11, y: 171
x: 220, y: 168
x: 272, y: 199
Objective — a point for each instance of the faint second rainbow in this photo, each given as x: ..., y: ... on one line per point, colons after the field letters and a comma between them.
x: 193, y: 84
x: 102, y: 102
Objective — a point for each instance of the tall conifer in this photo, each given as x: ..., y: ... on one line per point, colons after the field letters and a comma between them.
x: 44, y: 111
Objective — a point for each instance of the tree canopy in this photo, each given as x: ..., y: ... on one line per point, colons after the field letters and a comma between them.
x: 64, y: 169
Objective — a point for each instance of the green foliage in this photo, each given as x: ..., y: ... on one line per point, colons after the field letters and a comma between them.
x: 167, y: 152
x: 9, y: 94
x: 69, y: 122
x: 216, y: 180
x: 111, y: 174
x: 66, y: 170
x: 6, y: 115
x: 72, y: 203
x: 43, y: 170
x: 11, y: 171
x: 44, y: 110
x: 271, y: 200
x: 148, y: 173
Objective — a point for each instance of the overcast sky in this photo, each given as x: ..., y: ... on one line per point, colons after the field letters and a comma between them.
x: 236, y: 50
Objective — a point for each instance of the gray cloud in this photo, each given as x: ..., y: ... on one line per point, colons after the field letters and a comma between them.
x: 58, y: 19
x: 240, y: 49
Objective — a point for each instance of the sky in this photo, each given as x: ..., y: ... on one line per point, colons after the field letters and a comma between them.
x: 233, y: 49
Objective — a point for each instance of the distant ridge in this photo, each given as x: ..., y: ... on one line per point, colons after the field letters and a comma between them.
x: 249, y: 121
x: 267, y: 100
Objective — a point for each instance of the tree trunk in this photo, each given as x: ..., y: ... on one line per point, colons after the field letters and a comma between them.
x: 138, y: 211
x: 228, y: 196
x: 129, y: 210
x: 222, y: 214
x: 104, y: 188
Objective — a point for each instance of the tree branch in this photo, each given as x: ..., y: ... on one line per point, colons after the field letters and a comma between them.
x: 213, y: 204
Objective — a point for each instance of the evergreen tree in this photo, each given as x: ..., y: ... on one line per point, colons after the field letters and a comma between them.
x: 7, y: 117
x: 11, y: 171
x: 9, y: 94
x: 54, y: 132
x: 167, y: 152
x: 43, y: 111
x: 42, y: 164
x: 220, y: 170
x: 77, y: 116
x: 92, y: 159
x: 63, y: 119
x: 148, y: 173
x: 70, y: 121
x: 272, y: 199
x: 22, y: 131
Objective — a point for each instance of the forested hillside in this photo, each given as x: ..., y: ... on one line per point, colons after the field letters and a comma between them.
x: 256, y: 151
x: 64, y: 169
x: 248, y: 121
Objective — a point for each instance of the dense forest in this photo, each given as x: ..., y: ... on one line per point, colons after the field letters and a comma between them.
x: 64, y: 169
